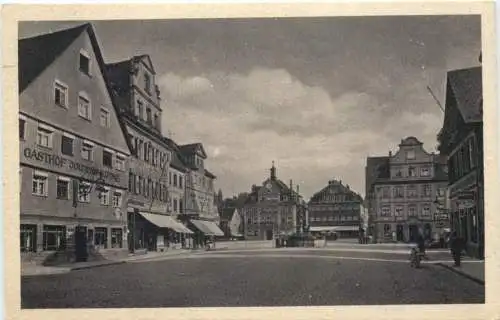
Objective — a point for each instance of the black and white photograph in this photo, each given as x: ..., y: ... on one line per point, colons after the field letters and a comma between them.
x: 276, y: 161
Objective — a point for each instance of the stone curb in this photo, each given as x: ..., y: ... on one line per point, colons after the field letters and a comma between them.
x: 463, y: 274
x: 97, y: 265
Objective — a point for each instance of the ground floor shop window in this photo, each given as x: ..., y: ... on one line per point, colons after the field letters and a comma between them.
x: 28, y: 238
x: 53, y: 237
x: 101, y: 237
x: 116, y: 238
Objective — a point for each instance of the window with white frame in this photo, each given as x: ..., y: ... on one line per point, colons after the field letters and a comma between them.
x: 426, y: 190
x: 63, y: 188
x: 410, y: 154
x: 87, y: 151
x: 412, y: 172
x: 84, y: 108
x: 107, y: 158
x: 385, y: 211
x: 120, y: 162
x: 40, y: 183
x: 44, y: 136
x: 398, y: 211
x: 67, y: 144
x: 84, y: 62
x: 412, y: 211
x: 411, y: 191
x: 104, y: 117
x: 398, y: 192
x: 425, y: 172
x: 84, y: 191
x: 426, y: 211
x: 104, y: 194
x: 60, y: 94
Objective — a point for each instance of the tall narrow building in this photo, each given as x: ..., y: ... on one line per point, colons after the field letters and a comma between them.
x: 403, y: 192
x: 156, y: 176
x: 73, y: 149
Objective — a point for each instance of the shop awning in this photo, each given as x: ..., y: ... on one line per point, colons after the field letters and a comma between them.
x: 334, y: 228
x: 163, y: 221
x: 208, y: 227
x: 216, y: 231
x: 322, y: 228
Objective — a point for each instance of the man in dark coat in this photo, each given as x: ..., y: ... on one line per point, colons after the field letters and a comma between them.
x: 457, y: 246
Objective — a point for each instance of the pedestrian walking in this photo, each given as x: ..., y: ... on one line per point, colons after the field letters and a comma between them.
x: 457, y: 246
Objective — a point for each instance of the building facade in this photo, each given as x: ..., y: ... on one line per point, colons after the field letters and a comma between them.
x: 156, y: 175
x: 73, y: 150
x: 461, y: 139
x: 336, y: 209
x: 273, y: 209
x: 404, y: 191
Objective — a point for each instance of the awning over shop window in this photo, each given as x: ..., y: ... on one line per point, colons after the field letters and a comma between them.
x: 334, y: 228
x: 207, y: 227
x: 202, y: 227
x: 163, y: 221
x: 214, y: 228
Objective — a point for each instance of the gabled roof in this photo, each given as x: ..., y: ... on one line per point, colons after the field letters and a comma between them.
x: 37, y: 53
x: 189, y: 149
x: 467, y: 87
x: 376, y: 168
x: 147, y: 61
x: 119, y: 77
x: 227, y: 213
x: 339, y: 188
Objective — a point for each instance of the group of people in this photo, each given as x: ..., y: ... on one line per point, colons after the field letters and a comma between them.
x: 456, y: 245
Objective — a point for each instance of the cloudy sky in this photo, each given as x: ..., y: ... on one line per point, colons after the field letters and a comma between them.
x: 316, y: 95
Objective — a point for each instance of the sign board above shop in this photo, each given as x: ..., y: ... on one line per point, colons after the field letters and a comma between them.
x: 55, y: 161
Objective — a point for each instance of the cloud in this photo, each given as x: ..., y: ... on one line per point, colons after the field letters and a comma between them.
x: 245, y: 121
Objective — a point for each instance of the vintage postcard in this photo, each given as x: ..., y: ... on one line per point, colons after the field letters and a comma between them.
x: 251, y: 161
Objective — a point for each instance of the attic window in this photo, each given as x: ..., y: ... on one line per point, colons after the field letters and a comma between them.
x: 84, y: 62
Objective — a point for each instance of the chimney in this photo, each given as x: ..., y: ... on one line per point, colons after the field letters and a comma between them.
x: 291, y: 185
x: 347, y: 186
x: 390, y: 153
x: 481, y: 57
x: 297, y: 189
x: 273, y: 172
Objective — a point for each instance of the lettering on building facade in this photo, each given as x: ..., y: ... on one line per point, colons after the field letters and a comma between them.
x: 61, y: 162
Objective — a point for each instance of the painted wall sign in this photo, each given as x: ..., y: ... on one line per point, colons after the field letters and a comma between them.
x: 60, y: 162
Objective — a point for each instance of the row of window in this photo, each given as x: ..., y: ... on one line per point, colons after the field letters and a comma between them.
x: 153, y: 189
x: 399, y: 211
x: 413, y: 172
x: 268, y: 219
x: 40, y: 187
x: 55, y: 237
x: 175, y: 180
x: 84, y: 103
x: 412, y: 191
x: 334, y: 218
x: 335, y: 198
x: 464, y: 160
x: 144, y: 150
x: 148, y: 115
x: 321, y: 208
x: 45, y: 138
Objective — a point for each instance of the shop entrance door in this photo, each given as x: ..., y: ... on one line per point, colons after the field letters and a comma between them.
x: 81, y: 244
x: 399, y: 232
x: 413, y: 230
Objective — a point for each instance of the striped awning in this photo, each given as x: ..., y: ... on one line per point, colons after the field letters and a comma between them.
x: 208, y: 227
x: 164, y: 221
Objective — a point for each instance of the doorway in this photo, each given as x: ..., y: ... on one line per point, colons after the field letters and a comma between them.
x: 413, y: 232
x: 81, y: 252
x: 399, y: 233
x: 269, y: 234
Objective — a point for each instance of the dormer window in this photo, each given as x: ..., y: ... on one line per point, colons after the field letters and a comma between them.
x: 84, y: 62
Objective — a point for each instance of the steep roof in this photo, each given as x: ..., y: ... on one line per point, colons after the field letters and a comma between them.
x: 191, y: 148
x: 119, y: 77
x: 467, y: 86
x: 376, y: 167
x: 340, y: 188
x: 227, y: 213
x: 37, y: 53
